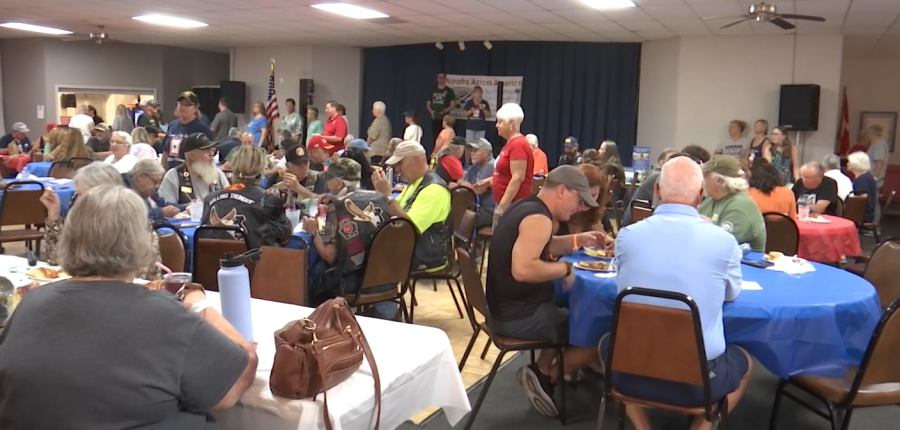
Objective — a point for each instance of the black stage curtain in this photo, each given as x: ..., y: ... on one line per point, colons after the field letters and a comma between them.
x: 586, y: 90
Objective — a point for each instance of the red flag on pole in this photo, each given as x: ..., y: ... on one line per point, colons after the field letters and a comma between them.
x: 843, y: 144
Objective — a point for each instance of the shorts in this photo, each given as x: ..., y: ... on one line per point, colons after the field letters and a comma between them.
x: 548, y: 322
x: 725, y: 374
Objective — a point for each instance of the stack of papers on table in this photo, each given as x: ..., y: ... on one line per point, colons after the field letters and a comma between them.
x: 791, y: 265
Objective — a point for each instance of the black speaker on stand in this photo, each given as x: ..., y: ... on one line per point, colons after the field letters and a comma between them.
x: 799, y: 107
x: 236, y: 94
x: 209, y: 100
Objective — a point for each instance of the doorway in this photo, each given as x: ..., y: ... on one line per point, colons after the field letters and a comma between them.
x: 103, y: 100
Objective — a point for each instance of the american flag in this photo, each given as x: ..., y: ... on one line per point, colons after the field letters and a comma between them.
x: 843, y: 143
x: 271, y: 108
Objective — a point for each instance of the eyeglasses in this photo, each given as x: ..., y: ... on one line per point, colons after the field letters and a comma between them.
x: 156, y: 181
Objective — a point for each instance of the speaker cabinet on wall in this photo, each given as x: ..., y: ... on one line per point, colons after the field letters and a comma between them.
x: 799, y: 108
x: 307, y: 92
x: 209, y: 100
x: 236, y: 94
x: 68, y: 101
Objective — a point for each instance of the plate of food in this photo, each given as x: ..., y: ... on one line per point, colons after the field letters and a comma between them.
x: 182, y: 215
x: 775, y: 256
x: 597, y: 252
x: 595, y: 266
x: 47, y: 274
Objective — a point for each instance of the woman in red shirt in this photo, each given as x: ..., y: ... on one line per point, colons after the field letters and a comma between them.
x: 514, y: 168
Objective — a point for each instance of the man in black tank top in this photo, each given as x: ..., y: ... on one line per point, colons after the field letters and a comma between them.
x: 521, y: 272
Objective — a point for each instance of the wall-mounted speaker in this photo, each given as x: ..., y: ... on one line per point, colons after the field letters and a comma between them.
x: 68, y: 101
x: 236, y: 94
x: 799, y: 108
x: 307, y: 92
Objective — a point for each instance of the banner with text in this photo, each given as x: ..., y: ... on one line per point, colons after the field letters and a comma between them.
x: 511, y: 87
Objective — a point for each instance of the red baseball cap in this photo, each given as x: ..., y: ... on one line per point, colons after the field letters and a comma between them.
x: 318, y: 142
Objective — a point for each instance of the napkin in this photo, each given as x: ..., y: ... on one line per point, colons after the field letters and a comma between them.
x: 820, y: 220
x: 605, y: 274
x: 750, y: 285
x: 787, y: 265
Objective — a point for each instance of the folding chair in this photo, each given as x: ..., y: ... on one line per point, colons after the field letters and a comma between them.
x: 209, y: 250
x: 782, y: 233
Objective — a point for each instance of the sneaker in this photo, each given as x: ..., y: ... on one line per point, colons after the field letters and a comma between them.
x: 538, y: 389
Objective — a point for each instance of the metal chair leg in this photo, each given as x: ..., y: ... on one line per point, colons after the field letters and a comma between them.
x: 487, y: 385
x: 847, y: 416
x: 412, y: 294
x: 462, y: 295
x: 832, y: 416
x: 405, y: 310
x: 602, y: 414
x: 779, y: 392
x: 487, y: 346
x: 462, y: 362
x: 483, y: 255
x: 434, y: 284
x: 455, y: 301
x: 621, y: 416
x: 562, y: 387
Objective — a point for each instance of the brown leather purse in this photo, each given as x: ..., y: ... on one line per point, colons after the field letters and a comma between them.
x: 320, y: 351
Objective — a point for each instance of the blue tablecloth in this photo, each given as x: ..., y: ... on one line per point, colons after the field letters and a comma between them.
x: 40, y: 169
x: 298, y: 241
x: 815, y: 323
x: 65, y: 193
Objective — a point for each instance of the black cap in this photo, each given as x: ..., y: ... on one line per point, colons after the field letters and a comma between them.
x: 458, y: 140
x: 197, y: 141
x: 189, y: 96
x: 296, y: 154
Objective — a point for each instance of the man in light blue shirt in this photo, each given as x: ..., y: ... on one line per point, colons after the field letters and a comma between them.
x: 478, y: 177
x: 676, y: 250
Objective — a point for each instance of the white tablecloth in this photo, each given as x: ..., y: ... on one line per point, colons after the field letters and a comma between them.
x: 416, y: 365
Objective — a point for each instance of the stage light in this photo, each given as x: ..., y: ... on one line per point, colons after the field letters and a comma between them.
x: 462, y: 45
x: 439, y: 45
x: 488, y: 45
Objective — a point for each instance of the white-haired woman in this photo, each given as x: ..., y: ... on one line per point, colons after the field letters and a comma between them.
x: 861, y: 166
x: 727, y: 203
x: 514, y: 168
x: 142, y: 144
x: 540, y: 157
x: 144, y: 178
x: 121, y: 157
x: 93, y: 175
x: 379, y: 133
x: 120, y: 354
x: 122, y: 122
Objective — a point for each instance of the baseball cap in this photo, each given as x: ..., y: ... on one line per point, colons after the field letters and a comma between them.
x: 296, y: 154
x: 318, y: 142
x: 570, y: 141
x: 572, y: 178
x: 20, y: 127
x: 189, y: 96
x: 482, y: 143
x: 151, y: 103
x: 407, y: 148
x: 725, y: 165
x: 343, y: 168
x: 459, y: 141
x: 358, y: 144
x: 197, y: 141
x: 102, y: 127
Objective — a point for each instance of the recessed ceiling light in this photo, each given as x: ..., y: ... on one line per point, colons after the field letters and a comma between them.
x: 608, y: 4
x: 34, y: 28
x: 170, y: 21
x: 350, y: 11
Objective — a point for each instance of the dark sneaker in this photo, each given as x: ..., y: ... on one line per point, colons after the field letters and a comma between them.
x: 538, y: 389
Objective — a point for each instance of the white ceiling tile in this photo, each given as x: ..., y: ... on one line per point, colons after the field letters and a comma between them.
x: 514, y: 5
x: 559, y: 4
x: 670, y: 11
x: 822, y: 7
x: 643, y: 3
x: 540, y: 16
x: 471, y: 6
x: 463, y: 19
x: 883, y: 21
x: 875, y: 7
x: 502, y: 18
x: 655, y: 35
x: 532, y: 29
x: 423, y: 6
x: 588, y: 15
x: 643, y: 26
x: 692, y: 32
x: 684, y: 24
x: 718, y: 9
x: 625, y: 14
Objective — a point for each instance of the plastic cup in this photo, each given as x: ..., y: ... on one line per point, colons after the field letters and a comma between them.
x: 196, y: 210
x: 173, y: 282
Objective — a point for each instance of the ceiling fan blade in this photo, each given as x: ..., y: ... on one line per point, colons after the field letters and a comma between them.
x: 735, y: 23
x: 705, y: 18
x: 782, y: 23
x: 804, y: 17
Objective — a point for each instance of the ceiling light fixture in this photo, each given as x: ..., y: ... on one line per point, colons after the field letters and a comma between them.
x: 34, y: 28
x: 488, y: 45
x: 439, y: 45
x: 462, y: 45
x: 608, y: 4
x: 350, y: 10
x: 170, y: 21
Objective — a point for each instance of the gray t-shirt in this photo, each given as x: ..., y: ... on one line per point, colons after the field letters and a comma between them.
x: 99, y: 355
x: 734, y: 148
x: 222, y: 123
x: 168, y: 188
x: 879, y: 151
x: 475, y: 174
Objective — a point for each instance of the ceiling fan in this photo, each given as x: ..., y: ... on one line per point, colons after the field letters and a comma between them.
x: 99, y: 37
x: 765, y: 12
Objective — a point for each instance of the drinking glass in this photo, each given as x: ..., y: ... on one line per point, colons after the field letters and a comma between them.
x: 173, y: 282
x: 196, y: 210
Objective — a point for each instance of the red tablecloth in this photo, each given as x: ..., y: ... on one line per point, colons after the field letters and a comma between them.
x: 828, y: 242
x: 15, y: 163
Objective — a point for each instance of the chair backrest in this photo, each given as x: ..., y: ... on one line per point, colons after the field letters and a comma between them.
x: 658, y: 341
x: 389, y: 255
x: 638, y: 213
x: 464, y: 235
x: 879, y: 364
x: 209, y: 250
x: 883, y: 271
x: 4, y: 171
x: 641, y: 203
x: 172, y: 246
x: 461, y: 200
x: 21, y: 204
x: 61, y: 170
x: 280, y: 275
x: 839, y: 208
x: 37, y: 156
x: 855, y: 208
x: 537, y: 184
x: 782, y: 233
x: 475, y: 298
x: 78, y: 162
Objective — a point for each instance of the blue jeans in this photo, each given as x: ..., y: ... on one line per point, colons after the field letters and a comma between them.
x: 383, y: 310
x: 325, y: 284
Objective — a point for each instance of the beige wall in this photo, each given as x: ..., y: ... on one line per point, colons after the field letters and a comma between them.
x: 872, y: 85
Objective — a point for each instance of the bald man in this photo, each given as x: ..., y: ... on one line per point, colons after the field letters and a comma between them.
x: 689, y: 256
x: 814, y: 182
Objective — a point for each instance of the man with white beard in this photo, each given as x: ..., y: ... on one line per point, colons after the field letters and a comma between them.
x: 197, y: 177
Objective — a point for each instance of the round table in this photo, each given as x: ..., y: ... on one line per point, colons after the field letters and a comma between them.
x: 828, y: 242
x: 815, y: 323
x: 41, y: 169
x: 63, y: 187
